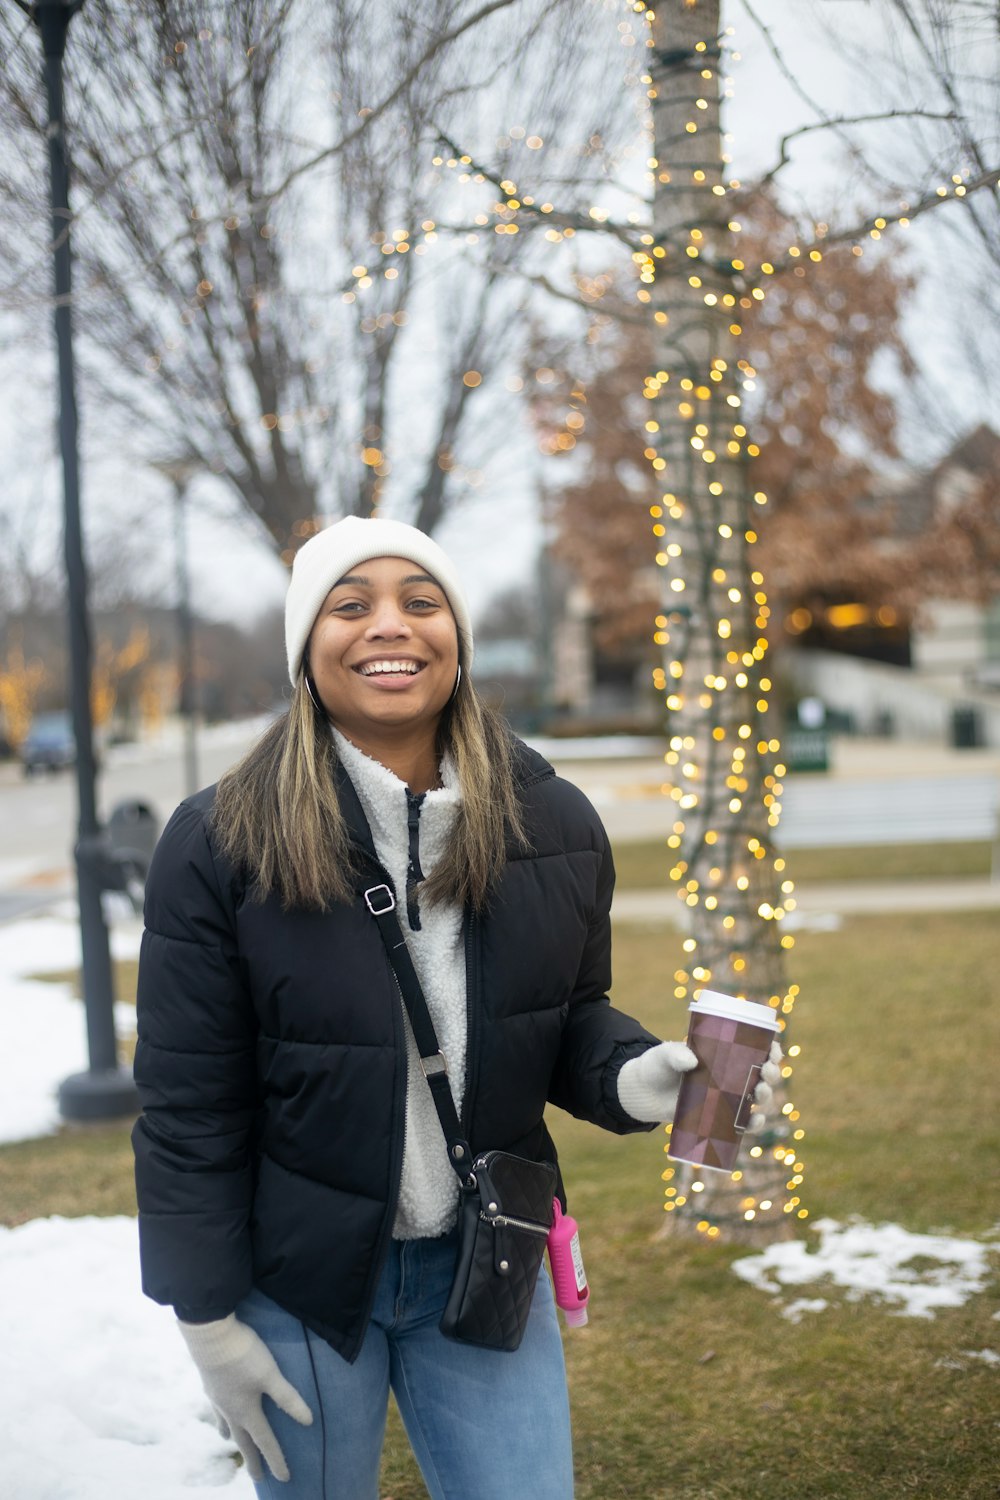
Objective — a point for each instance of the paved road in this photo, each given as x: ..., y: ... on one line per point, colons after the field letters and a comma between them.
x: 876, y: 792
x: 38, y: 814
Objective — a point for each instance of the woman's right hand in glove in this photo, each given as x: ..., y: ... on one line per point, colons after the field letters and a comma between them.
x: 238, y: 1370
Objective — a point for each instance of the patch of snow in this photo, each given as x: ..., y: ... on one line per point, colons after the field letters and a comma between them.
x: 37, y: 945
x: 984, y: 1356
x: 878, y: 1261
x: 795, y: 1311
x: 45, y: 1040
x: 43, y: 1024
x: 99, y: 1395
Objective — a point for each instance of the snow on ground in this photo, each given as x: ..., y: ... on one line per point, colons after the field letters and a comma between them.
x: 914, y: 1273
x: 99, y: 1396
x: 42, y: 1024
x: 100, y: 1400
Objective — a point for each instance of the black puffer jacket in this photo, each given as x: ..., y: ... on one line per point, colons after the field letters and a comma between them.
x: 271, y: 1061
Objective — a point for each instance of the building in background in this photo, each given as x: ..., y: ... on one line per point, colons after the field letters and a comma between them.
x: 928, y: 663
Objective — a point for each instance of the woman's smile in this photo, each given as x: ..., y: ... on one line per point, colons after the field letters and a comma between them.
x: 394, y: 670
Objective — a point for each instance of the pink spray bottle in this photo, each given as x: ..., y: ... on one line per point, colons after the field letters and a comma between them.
x: 568, y: 1276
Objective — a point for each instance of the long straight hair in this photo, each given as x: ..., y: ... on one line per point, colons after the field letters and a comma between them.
x: 278, y: 818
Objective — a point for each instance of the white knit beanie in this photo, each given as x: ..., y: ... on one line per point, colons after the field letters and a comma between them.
x: 331, y: 553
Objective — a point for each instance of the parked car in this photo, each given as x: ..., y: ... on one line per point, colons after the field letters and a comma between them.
x: 49, y: 744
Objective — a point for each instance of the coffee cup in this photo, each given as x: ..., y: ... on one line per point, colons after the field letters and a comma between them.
x: 731, y: 1039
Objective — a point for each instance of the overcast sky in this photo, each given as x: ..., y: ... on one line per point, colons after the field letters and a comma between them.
x: 234, y: 574
x: 764, y: 106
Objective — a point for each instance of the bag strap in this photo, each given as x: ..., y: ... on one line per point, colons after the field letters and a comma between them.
x: 381, y: 902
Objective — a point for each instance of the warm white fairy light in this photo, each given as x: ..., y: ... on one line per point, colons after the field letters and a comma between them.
x: 694, y: 415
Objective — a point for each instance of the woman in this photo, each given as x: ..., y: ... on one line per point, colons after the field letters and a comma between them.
x: 297, y: 1206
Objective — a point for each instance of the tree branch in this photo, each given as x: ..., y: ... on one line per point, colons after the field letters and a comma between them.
x: 989, y: 179
x: 836, y: 123
x: 434, y: 47
x: 807, y: 99
x: 536, y: 278
x: 265, y: 198
x: 565, y: 219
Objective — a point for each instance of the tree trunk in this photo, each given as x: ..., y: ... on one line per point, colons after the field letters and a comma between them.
x: 721, y: 764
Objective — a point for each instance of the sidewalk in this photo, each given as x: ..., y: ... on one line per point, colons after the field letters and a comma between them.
x: 876, y: 792
x: 852, y: 757
x: 844, y: 899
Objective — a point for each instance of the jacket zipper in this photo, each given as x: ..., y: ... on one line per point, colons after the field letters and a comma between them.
x: 506, y: 1220
x: 414, y: 874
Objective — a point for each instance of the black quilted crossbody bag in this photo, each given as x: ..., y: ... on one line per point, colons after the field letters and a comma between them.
x: 505, y: 1201
x: 504, y: 1217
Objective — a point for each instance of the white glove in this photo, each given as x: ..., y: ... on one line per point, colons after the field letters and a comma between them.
x: 237, y: 1370
x: 648, y: 1084
x: 770, y: 1077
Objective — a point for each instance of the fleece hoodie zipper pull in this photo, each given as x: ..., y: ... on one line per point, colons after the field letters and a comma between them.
x: 414, y: 874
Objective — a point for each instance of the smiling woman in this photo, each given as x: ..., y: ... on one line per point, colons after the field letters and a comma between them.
x: 300, y: 1163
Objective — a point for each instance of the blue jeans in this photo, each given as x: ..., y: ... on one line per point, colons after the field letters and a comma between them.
x: 483, y: 1424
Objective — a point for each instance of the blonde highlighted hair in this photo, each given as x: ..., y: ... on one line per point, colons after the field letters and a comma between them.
x: 277, y: 815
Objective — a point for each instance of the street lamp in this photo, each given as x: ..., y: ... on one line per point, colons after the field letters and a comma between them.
x: 105, y: 1089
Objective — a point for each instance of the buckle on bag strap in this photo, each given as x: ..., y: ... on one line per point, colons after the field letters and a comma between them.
x: 433, y: 1065
x: 386, y: 905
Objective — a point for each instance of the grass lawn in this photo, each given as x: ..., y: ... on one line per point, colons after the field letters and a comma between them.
x: 643, y: 865
x: 687, y: 1383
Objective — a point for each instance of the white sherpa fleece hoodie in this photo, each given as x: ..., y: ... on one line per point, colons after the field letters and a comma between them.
x: 428, y: 1189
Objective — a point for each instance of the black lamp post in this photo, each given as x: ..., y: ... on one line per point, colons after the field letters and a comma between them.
x: 105, y: 1089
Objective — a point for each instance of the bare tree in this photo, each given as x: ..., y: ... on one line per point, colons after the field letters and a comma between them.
x: 931, y: 144
x: 284, y: 276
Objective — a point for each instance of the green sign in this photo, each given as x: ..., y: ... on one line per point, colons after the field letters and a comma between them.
x: 806, y: 749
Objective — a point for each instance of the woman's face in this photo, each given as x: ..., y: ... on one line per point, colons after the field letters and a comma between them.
x: 383, y: 652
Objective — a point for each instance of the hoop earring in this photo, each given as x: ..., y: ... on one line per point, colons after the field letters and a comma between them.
x: 309, y: 690
x: 458, y: 684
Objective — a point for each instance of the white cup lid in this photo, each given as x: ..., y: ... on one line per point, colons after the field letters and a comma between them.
x: 712, y: 1003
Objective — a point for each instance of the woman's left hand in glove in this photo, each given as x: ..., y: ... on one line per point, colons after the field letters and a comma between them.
x: 770, y: 1077
x: 648, y: 1085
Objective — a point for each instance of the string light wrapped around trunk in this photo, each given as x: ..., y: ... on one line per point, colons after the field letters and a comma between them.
x: 722, y: 765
